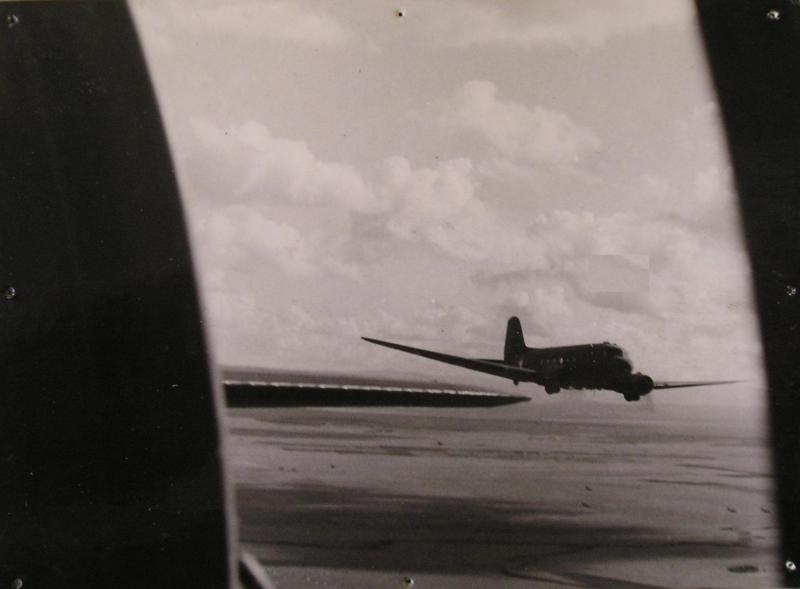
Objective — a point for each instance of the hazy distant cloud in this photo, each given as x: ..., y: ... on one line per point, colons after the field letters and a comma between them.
x: 245, y: 237
x: 646, y: 280
x: 299, y: 338
x: 154, y: 26
x: 610, y: 273
x: 256, y: 165
x: 515, y: 131
x: 714, y: 192
x: 656, y: 258
x: 278, y: 241
x: 275, y: 21
x: 705, y: 199
x: 528, y: 25
x: 167, y: 27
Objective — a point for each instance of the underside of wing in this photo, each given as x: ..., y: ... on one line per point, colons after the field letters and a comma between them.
x: 497, y: 368
x: 682, y: 384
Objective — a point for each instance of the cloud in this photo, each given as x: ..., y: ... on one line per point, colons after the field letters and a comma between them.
x: 271, y: 21
x: 441, y: 207
x: 649, y: 263
x: 675, y: 258
x: 278, y: 241
x: 248, y: 163
x: 704, y: 199
x: 646, y: 277
x: 610, y: 273
x: 649, y: 281
x: 302, y: 338
x: 267, y: 198
x: 259, y: 201
x: 513, y: 130
x: 566, y: 23
x: 269, y: 210
x: 240, y: 237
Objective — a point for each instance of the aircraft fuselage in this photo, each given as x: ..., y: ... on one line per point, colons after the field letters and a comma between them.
x: 588, y: 366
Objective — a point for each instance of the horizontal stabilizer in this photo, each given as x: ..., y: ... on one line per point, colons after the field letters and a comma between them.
x: 682, y: 385
x: 496, y: 368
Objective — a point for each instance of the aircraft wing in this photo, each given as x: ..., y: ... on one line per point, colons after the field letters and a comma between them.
x: 497, y: 368
x: 259, y: 388
x: 683, y: 384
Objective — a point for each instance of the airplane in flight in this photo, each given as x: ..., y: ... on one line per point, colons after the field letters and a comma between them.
x: 587, y: 366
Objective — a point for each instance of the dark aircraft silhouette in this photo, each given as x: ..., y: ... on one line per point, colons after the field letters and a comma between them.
x: 587, y: 366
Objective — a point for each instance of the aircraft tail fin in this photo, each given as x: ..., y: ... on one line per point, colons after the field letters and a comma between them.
x: 515, y: 341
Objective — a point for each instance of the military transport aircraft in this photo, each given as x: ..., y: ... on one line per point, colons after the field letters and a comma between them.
x: 586, y: 366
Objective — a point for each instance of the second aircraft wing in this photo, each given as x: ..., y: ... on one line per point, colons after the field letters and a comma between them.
x: 259, y: 388
x: 497, y: 368
x: 683, y: 384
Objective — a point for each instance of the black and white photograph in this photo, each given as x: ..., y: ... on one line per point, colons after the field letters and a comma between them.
x: 418, y: 294
x: 533, y: 194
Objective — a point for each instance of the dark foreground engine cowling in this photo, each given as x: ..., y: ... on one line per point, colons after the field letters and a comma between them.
x: 635, y: 386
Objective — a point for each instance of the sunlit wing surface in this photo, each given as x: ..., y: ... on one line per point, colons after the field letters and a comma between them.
x: 252, y: 389
x: 683, y: 385
x: 489, y: 367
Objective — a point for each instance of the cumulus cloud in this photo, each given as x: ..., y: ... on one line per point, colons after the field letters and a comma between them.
x: 278, y: 241
x: 256, y: 165
x: 260, y: 201
x: 238, y: 237
x: 441, y: 207
x: 514, y: 131
x: 570, y: 23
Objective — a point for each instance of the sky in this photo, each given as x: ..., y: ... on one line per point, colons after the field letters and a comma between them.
x: 419, y: 172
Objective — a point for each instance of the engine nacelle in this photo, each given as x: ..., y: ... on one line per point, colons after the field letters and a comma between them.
x: 635, y: 386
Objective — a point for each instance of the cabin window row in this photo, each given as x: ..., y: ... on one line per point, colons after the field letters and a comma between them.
x: 570, y: 358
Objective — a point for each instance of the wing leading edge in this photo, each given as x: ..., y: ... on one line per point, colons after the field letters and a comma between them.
x: 497, y: 368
